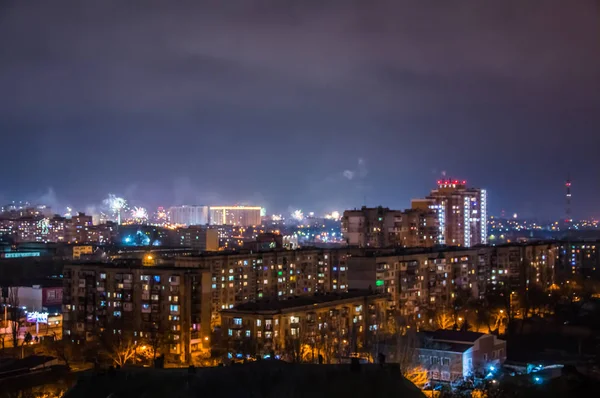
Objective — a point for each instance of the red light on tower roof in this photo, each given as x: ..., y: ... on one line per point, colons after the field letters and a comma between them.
x: 464, y: 182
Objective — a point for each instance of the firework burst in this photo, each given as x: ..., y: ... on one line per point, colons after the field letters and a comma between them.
x: 116, y: 205
x: 298, y: 215
x: 139, y: 214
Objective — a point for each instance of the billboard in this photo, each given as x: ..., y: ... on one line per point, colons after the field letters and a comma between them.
x: 79, y: 250
x: 52, y: 296
x: 37, y: 317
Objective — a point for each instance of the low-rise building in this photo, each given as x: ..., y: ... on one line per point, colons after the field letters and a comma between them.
x: 450, y: 355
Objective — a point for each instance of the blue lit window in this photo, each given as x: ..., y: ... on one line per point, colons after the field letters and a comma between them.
x: 174, y: 308
x: 157, y: 278
x: 237, y: 321
x: 117, y: 313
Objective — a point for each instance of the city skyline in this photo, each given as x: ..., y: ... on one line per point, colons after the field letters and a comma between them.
x: 103, y: 206
x: 312, y: 106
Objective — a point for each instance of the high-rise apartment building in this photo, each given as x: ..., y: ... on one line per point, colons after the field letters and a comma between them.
x: 381, y: 227
x: 461, y: 211
x: 277, y: 274
x: 189, y: 215
x: 240, y: 216
x: 422, y: 282
x: 140, y: 303
x: 183, y: 303
x: 81, y: 229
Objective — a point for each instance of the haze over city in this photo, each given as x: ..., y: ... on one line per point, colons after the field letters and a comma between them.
x: 312, y: 105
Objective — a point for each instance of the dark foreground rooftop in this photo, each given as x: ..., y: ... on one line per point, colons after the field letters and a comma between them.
x: 258, y: 379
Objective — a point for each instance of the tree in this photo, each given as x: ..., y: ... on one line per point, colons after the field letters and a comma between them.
x: 481, y: 316
x: 444, y: 320
x: 411, y: 369
x: 294, y: 348
x: 118, y: 347
x: 328, y: 340
x: 156, y: 340
x: 537, y: 300
x: 15, y: 313
x: 416, y: 375
x: 462, y: 301
x: 65, y: 350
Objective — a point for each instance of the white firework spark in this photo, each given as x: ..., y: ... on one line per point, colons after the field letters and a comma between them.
x: 298, y: 215
x: 139, y: 213
x: 335, y: 215
x: 116, y: 205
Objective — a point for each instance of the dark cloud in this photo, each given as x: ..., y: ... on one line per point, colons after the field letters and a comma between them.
x: 265, y: 100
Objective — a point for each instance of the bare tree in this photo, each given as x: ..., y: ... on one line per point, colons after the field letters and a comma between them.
x: 410, y: 367
x: 65, y: 349
x: 118, y: 347
x: 294, y: 348
x: 15, y: 314
x: 157, y: 339
x: 444, y: 320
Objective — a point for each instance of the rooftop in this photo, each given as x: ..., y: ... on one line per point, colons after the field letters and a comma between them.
x: 450, y: 347
x: 258, y: 379
x: 452, y: 335
x: 281, y: 305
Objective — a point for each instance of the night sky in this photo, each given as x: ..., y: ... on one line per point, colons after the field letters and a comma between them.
x: 311, y: 104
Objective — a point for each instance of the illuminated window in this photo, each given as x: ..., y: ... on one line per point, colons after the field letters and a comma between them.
x: 237, y: 321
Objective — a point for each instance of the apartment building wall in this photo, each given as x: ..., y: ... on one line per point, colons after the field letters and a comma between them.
x: 462, y: 211
x: 444, y: 365
x: 425, y: 281
x: 381, y: 227
x: 241, y: 277
x: 198, y: 238
x: 137, y: 302
x: 449, y: 355
x: 261, y: 328
x: 575, y: 259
